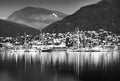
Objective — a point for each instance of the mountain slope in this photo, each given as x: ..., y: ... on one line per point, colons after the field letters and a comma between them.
x: 36, y: 17
x: 8, y: 28
x: 102, y: 15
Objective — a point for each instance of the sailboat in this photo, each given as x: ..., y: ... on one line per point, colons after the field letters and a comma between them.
x: 30, y: 49
x: 17, y: 49
x: 25, y: 48
x: 45, y: 48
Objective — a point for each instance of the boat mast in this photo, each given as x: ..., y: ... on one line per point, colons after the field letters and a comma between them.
x: 25, y: 42
x: 41, y: 37
x: 25, y: 38
x: 78, y: 41
x: 91, y: 39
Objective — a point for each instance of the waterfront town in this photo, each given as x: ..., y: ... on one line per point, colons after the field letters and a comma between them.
x: 78, y: 41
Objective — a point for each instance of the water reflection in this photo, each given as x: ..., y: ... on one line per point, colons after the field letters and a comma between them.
x: 77, y: 60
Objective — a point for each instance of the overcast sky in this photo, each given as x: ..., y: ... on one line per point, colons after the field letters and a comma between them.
x: 7, y: 7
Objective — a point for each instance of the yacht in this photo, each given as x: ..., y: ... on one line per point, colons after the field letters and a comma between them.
x: 18, y: 49
x: 60, y: 47
x: 46, y: 48
x: 32, y: 50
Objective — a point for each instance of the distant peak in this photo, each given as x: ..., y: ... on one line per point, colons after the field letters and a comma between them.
x: 30, y: 7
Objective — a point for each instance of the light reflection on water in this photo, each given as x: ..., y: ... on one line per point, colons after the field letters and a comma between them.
x: 78, y: 60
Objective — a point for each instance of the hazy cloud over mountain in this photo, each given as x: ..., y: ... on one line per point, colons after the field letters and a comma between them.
x: 67, y: 6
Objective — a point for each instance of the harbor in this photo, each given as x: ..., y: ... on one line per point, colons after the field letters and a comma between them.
x: 77, y: 41
x: 72, y: 53
x: 60, y: 40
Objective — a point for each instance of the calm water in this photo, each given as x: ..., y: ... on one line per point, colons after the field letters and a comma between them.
x: 60, y: 66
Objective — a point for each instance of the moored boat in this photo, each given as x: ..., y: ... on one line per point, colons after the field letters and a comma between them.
x: 46, y: 48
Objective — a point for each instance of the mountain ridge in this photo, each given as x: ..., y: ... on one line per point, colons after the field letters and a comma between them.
x: 36, y: 17
x: 101, y: 15
x: 8, y: 28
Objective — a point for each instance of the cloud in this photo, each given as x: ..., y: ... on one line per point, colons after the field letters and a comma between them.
x: 67, y: 6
